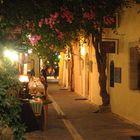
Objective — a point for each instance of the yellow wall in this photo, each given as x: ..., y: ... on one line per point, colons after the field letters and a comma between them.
x: 125, y: 102
x: 94, y: 75
x: 61, y: 65
x: 34, y: 63
x: 81, y: 78
x: 63, y: 71
x: 77, y: 69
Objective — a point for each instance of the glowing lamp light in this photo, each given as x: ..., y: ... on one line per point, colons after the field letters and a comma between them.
x: 30, y: 51
x: 26, y: 54
x: 29, y: 36
x: 83, y: 51
x: 59, y: 56
x: 12, y: 55
x: 23, y: 78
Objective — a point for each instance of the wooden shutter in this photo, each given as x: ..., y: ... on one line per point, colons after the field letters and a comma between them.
x: 134, y: 68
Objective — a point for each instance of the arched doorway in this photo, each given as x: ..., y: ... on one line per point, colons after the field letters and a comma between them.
x: 112, y: 74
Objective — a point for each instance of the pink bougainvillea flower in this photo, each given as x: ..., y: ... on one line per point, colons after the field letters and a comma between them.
x: 56, y: 30
x: 55, y: 15
x: 51, y: 47
x: 60, y: 36
x: 108, y: 20
x: 30, y: 25
x: 52, y: 20
x: 67, y: 14
x: 40, y: 23
x: 46, y: 21
x: 89, y: 15
x: 34, y: 39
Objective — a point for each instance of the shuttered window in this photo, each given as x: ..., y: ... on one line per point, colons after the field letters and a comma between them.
x: 134, y: 68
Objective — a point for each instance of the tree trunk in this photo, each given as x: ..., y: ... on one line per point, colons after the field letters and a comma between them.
x: 71, y: 69
x: 101, y: 65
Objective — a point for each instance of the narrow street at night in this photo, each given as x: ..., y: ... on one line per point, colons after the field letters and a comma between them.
x: 71, y: 117
x: 69, y: 70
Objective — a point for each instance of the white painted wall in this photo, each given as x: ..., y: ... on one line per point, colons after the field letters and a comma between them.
x: 80, y: 73
x: 77, y: 69
x: 126, y: 102
x: 94, y: 88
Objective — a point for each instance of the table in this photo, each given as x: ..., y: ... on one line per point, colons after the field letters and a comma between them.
x: 34, y: 115
x: 28, y: 117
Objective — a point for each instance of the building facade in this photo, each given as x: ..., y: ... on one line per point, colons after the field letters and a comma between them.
x: 123, y: 67
x: 125, y: 95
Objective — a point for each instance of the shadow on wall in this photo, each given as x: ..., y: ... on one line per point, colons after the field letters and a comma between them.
x: 135, y: 137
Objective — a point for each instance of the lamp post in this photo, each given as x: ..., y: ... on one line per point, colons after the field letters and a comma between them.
x: 24, y: 92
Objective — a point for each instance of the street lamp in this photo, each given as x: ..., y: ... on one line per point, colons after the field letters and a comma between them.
x: 23, y: 78
x: 12, y: 55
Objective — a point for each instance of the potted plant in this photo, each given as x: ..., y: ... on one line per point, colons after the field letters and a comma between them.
x: 10, y: 105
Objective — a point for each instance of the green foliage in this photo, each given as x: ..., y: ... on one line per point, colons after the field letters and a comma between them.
x: 10, y: 105
x: 65, y: 17
x: 42, y: 24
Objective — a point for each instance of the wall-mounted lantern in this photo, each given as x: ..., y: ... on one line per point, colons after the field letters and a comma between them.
x: 83, y: 50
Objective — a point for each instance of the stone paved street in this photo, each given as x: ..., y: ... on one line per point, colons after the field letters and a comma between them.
x: 73, y: 118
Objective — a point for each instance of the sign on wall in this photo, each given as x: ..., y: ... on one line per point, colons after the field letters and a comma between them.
x: 134, y: 68
x: 110, y: 45
x: 111, y: 21
x: 117, y: 75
